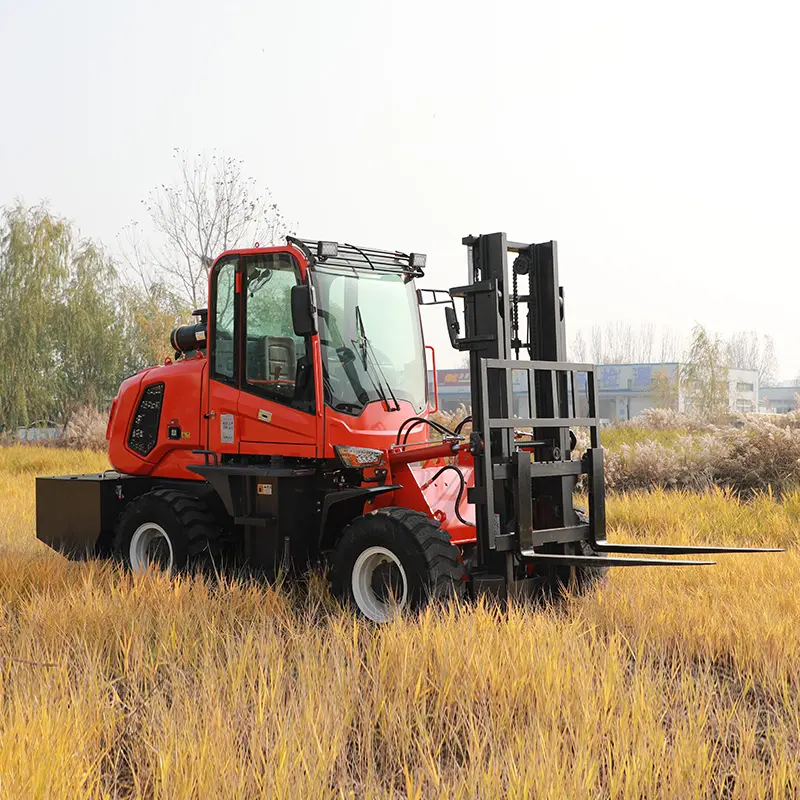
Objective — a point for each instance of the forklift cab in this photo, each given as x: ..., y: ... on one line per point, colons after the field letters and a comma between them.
x: 300, y: 340
x: 261, y: 375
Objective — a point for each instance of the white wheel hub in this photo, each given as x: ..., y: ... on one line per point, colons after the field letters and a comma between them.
x: 150, y: 547
x: 380, y: 585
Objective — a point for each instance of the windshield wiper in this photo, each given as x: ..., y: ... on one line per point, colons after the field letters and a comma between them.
x: 368, y: 353
x: 346, y: 357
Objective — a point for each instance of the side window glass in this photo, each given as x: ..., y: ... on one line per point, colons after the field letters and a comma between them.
x: 277, y: 362
x: 224, y: 315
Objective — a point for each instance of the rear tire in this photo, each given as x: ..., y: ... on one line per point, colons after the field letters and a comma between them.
x: 393, y: 559
x: 169, y: 530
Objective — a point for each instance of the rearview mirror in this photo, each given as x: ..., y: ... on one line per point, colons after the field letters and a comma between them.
x: 304, y: 310
x: 453, y: 328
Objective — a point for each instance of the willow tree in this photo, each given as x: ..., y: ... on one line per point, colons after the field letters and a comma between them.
x: 34, y: 257
x: 61, y: 325
x: 150, y: 314
x: 704, y: 374
x: 89, y: 342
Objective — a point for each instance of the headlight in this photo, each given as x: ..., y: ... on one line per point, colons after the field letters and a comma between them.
x: 358, y: 457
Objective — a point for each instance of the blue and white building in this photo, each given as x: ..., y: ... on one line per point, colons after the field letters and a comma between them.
x: 624, y: 390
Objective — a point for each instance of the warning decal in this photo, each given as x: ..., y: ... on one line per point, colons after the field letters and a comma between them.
x: 226, y: 428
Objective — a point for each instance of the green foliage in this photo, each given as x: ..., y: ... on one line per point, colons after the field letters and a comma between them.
x: 33, y: 267
x: 88, y: 333
x: 665, y: 390
x: 149, y: 316
x: 69, y: 331
x: 615, y: 436
x: 705, y: 375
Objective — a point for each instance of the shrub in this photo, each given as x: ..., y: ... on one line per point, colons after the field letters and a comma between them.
x: 758, y: 453
x: 667, y: 419
x: 687, y: 463
x: 85, y: 429
x: 759, y: 456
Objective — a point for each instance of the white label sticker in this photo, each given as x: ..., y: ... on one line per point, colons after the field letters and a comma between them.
x: 200, y: 336
x: 226, y: 428
x: 265, y: 488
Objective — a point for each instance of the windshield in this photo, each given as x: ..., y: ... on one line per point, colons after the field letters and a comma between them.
x: 371, y: 340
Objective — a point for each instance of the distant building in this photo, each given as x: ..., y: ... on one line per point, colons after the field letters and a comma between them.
x: 624, y: 390
x: 41, y: 431
x: 454, y: 388
x: 778, y: 399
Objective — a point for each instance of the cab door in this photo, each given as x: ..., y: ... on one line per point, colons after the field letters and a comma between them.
x: 277, y: 411
x: 224, y: 429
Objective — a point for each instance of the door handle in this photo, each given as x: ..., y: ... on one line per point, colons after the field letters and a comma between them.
x: 210, y: 415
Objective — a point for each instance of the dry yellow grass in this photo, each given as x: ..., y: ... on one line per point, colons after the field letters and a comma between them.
x: 665, y: 683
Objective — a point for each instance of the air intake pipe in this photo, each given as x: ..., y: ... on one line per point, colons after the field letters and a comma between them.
x: 186, y: 338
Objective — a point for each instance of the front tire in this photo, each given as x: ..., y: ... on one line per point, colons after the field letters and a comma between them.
x: 394, y: 559
x: 167, y: 530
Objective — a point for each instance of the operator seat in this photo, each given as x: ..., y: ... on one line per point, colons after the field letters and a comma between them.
x: 281, y: 358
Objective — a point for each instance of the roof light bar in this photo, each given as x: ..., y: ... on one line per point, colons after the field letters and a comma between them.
x: 327, y: 250
x: 348, y: 256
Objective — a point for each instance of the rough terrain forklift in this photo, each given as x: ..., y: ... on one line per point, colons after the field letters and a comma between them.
x: 294, y: 426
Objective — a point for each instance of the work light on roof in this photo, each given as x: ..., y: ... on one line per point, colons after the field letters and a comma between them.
x: 418, y: 260
x: 327, y: 250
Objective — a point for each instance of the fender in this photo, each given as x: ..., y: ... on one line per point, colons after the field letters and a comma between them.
x: 348, y: 504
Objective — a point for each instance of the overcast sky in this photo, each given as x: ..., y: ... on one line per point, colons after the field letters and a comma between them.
x: 658, y: 143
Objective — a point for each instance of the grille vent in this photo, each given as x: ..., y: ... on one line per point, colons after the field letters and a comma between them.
x: 144, y: 428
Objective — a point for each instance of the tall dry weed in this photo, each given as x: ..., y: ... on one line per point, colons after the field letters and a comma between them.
x: 664, y: 683
x: 452, y: 419
x: 85, y: 429
x: 757, y: 455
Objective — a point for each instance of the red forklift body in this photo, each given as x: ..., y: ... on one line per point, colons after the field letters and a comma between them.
x: 295, y: 422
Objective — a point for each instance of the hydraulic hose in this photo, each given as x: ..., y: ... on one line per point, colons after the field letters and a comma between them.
x: 461, y: 488
x: 415, y: 421
x: 466, y: 421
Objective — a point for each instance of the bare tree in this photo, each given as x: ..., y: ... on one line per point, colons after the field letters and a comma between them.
x: 623, y: 343
x: 748, y: 350
x: 579, y: 349
x: 597, y: 349
x: 647, y: 338
x: 209, y: 208
x: 671, y: 346
x: 619, y: 342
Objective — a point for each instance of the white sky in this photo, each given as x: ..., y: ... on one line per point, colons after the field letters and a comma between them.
x: 658, y: 143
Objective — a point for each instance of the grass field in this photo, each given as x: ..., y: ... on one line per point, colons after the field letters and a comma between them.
x: 674, y: 683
